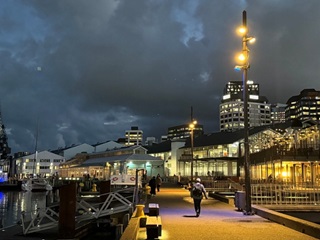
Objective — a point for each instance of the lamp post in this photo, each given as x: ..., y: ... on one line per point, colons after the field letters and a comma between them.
x: 191, y: 127
x: 244, y: 58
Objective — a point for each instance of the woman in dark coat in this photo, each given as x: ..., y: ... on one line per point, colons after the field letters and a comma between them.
x: 152, y: 184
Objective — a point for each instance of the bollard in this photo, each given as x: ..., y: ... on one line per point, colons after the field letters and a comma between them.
x: 94, y: 187
x: 139, y: 212
x: 105, y: 187
x: 67, y: 211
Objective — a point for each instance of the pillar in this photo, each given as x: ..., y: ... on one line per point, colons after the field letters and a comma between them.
x: 67, y: 211
x: 105, y: 187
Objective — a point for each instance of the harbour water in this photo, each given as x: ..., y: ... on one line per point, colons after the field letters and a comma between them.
x: 12, y: 203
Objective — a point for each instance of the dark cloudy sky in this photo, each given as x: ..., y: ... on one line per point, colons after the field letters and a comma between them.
x: 85, y: 71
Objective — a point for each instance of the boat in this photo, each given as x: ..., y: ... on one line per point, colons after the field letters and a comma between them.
x: 36, y: 185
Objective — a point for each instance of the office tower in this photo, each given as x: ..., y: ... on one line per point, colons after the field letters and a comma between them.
x: 305, y: 106
x: 278, y: 111
x: 183, y: 131
x: 231, y: 107
x: 134, y: 136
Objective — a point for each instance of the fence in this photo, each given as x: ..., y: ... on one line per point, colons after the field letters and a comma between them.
x: 269, y: 193
x: 300, y: 194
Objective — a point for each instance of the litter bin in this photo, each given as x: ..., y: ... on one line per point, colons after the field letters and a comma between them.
x: 240, y: 200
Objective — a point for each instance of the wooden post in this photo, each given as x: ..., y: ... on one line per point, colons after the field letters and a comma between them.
x: 67, y: 211
x: 105, y: 187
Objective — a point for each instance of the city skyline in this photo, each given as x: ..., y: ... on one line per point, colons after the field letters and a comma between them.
x: 82, y: 72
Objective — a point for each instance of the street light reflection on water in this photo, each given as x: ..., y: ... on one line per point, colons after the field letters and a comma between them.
x: 12, y: 203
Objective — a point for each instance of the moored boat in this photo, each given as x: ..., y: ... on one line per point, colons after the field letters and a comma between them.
x: 36, y: 184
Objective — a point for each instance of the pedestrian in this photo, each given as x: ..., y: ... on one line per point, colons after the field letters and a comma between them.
x: 152, y: 184
x: 158, y: 182
x: 197, y: 192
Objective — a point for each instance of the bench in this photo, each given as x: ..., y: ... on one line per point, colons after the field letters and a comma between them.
x: 154, y: 227
x: 153, y: 209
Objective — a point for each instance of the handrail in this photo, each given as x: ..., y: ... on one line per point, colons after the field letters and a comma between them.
x: 48, y: 218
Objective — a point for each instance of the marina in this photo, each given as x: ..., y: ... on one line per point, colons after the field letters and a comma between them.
x: 97, y: 212
x: 30, y: 212
x: 13, y: 203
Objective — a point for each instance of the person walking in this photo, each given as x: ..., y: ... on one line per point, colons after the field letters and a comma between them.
x: 158, y: 182
x: 152, y: 184
x: 197, y: 192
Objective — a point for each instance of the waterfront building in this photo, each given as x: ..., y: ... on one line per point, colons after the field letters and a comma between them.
x: 101, y: 165
x: 293, y: 158
x: 183, y: 131
x: 280, y: 152
x: 231, y: 107
x: 220, y: 154
x: 134, y: 136
x: 70, y: 152
x: 42, y: 163
x: 169, y: 152
x: 106, y: 146
x: 305, y: 106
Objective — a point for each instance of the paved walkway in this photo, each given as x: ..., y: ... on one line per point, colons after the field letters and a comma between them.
x: 217, y: 220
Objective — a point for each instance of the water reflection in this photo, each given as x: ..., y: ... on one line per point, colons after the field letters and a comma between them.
x: 13, y: 203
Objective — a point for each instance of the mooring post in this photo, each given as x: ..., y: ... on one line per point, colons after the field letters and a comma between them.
x: 105, y: 187
x: 67, y: 211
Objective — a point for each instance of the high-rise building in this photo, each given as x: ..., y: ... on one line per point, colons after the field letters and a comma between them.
x: 183, y: 131
x: 305, y: 106
x: 134, y: 136
x: 278, y: 111
x: 231, y: 107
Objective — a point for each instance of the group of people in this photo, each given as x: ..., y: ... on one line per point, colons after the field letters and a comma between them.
x: 155, y: 183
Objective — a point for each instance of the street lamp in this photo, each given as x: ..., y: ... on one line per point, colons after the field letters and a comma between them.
x: 191, y: 127
x: 244, y: 58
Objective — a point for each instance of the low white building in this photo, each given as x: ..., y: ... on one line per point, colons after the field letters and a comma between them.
x: 43, y: 163
x: 106, y: 146
x: 70, y: 152
x: 102, y: 165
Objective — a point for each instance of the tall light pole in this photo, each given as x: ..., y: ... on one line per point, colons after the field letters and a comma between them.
x: 244, y: 58
x: 191, y: 127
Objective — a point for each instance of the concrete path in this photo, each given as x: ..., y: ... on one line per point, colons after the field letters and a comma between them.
x: 217, y: 220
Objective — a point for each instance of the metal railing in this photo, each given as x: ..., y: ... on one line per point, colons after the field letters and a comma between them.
x: 47, y: 218
x: 269, y: 193
x: 43, y: 219
x: 115, y: 203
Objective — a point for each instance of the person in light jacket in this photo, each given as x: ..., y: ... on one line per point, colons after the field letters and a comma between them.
x: 197, y: 198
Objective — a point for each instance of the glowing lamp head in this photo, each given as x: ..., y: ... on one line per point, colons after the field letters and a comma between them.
x: 241, y: 57
x: 242, y: 30
x: 192, y: 125
x: 252, y: 40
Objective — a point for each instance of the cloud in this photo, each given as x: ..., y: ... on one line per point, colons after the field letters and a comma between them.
x: 88, y: 72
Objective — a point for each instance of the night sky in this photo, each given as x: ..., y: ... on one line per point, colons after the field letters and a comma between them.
x: 83, y: 71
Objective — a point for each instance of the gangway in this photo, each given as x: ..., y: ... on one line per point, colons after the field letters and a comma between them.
x: 114, y: 203
x: 47, y: 218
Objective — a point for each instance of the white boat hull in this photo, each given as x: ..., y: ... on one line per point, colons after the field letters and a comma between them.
x: 35, y: 185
